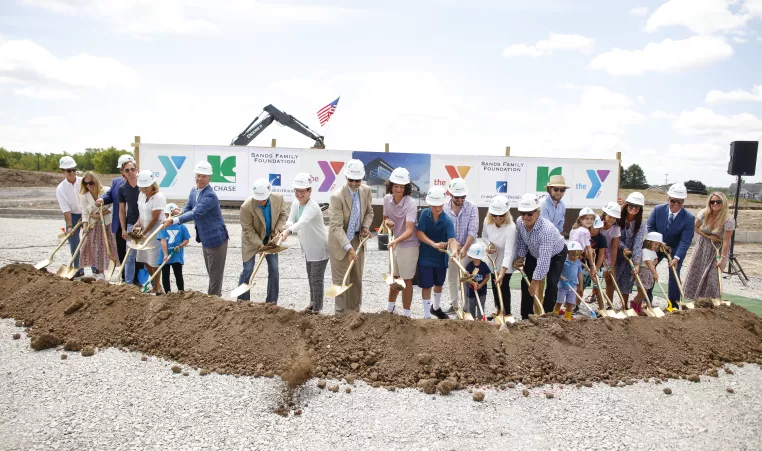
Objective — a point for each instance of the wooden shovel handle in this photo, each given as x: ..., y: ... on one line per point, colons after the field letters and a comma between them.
x: 640, y: 283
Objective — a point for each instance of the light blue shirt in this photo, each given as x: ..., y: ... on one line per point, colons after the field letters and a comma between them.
x: 268, y: 217
x: 553, y: 213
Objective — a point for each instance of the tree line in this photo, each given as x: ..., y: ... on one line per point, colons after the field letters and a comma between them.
x: 102, y: 161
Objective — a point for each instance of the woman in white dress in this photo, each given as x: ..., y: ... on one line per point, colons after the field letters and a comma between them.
x: 151, y: 205
x: 499, y: 232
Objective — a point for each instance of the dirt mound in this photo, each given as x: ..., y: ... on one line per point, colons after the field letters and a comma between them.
x: 21, y: 178
x: 383, y: 349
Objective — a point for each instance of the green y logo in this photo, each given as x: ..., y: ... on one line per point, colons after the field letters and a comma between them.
x: 543, y: 176
x: 222, y: 171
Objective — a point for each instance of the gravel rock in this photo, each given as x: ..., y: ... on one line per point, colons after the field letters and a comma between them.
x: 16, y: 336
x: 667, y: 391
x: 88, y: 351
x: 478, y: 396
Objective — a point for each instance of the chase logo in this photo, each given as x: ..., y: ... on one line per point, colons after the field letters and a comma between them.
x: 501, y: 186
x: 544, y: 173
x: 330, y: 170
x: 274, y: 179
x: 596, y: 179
x: 457, y: 171
x: 171, y: 166
x: 223, y: 171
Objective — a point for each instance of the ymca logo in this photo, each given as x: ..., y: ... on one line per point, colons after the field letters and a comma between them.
x: 172, y: 235
x: 330, y: 170
x: 501, y: 186
x: 274, y: 179
x: 596, y: 179
x: 544, y: 174
x: 457, y: 171
x: 223, y: 171
x: 171, y: 166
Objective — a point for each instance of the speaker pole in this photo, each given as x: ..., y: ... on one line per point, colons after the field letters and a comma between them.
x: 734, y: 266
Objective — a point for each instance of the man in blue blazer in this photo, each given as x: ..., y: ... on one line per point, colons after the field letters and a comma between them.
x: 203, y: 208
x: 676, y: 225
x: 111, y: 198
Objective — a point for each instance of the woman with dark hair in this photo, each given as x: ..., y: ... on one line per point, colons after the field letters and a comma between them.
x: 633, y: 232
x: 399, y: 216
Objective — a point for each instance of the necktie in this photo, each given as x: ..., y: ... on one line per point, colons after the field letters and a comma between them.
x: 354, y: 217
x: 669, y: 220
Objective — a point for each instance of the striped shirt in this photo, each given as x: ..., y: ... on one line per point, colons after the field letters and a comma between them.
x: 633, y: 242
x: 466, y: 223
x: 543, y: 242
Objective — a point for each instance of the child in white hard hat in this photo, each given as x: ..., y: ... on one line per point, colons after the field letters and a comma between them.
x: 478, y: 284
x: 599, y: 247
x: 571, y: 278
x: 647, y: 273
x: 173, y: 241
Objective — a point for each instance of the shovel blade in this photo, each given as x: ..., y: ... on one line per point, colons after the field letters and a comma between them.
x: 459, y: 313
x: 689, y: 305
x: 336, y: 290
x: 716, y: 302
x: 649, y: 312
x: 389, y: 279
x: 659, y: 313
x: 63, y: 271
x: 275, y: 250
x: 241, y: 289
x: 109, y: 273
x: 43, y: 263
x: 509, y: 319
x: 467, y: 316
x: 725, y: 302
x: 611, y: 313
x: 499, y: 319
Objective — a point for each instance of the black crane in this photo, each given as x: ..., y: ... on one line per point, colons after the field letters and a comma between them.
x: 257, y: 126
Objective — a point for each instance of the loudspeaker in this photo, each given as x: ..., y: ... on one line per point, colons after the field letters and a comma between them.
x: 743, y: 157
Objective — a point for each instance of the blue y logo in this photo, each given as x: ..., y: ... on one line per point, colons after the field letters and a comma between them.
x: 596, y: 178
x: 171, y: 166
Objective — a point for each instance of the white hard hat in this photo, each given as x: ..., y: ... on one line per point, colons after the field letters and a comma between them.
x: 529, y: 202
x: 354, y: 170
x: 301, y: 181
x: 613, y: 209
x: 636, y: 198
x: 498, y: 206
x: 261, y: 190
x: 400, y: 176
x: 655, y: 236
x: 203, y: 167
x: 124, y: 159
x: 574, y: 246
x: 458, y: 187
x: 597, y: 224
x: 146, y: 178
x: 168, y: 209
x: 67, y: 163
x: 586, y: 211
x: 477, y: 250
x: 436, y: 196
x: 677, y: 191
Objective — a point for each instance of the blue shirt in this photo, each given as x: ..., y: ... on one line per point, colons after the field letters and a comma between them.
x: 554, y: 213
x: 174, y: 234
x: 484, y: 271
x: 571, y: 272
x: 439, y: 231
x: 268, y: 217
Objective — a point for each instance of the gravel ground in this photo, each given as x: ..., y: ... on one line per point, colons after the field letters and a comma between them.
x: 116, y: 401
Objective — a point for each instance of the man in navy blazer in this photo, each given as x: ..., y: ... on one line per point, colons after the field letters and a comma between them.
x: 203, y: 208
x: 676, y: 224
x: 111, y: 198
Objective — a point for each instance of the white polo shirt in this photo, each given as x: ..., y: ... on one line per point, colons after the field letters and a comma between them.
x: 68, y: 196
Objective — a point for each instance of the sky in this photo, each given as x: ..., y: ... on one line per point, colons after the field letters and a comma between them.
x: 667, y: 84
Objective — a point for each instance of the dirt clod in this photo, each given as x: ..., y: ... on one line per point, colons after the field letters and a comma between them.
x: 321, y: 384
x: 73, y: 307
x: 730, y: 390
x: 549, y: 395
x: 72, y: 345
x: 44, y: 341
x: 694, y: 378
x: 88, y: 351
x: 479, y: 396
x: 16, y: 336
x: 176, y: 369
x: 525, y: 392
x: 203, y: 372
x: 144, y: 358
x: 64, y: 356
x: 334, y: 388
x: 667, y: 391
x: 348, y: 390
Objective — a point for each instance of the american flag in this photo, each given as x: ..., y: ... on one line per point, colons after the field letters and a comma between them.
x: 325, y: 113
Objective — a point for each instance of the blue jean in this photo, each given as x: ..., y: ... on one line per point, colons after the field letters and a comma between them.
x: 74, y: 239
x: 273, y: 279
x: 129, y: 264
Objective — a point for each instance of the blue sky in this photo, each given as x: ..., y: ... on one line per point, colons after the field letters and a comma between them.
x: 668, y: 84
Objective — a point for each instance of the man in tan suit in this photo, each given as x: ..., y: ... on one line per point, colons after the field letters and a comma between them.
x: 263, y: 217
x: 350, y: 214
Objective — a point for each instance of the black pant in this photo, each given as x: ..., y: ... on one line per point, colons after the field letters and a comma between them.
x: 178, y: 270
x: 505, y: 289
x: 121, y: 246
x: 551, y: 283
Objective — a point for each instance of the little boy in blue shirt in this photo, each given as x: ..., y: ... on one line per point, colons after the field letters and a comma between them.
x: 173, y: 239
x: 478, y: 284
x: 571, y: 277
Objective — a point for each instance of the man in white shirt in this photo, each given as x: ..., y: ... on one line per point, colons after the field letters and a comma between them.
x: 67, y: 194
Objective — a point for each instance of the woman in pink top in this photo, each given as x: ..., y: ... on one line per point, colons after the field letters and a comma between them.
x: 400, y: 212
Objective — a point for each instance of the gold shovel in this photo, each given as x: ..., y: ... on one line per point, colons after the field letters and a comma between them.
x: 244, y: 287
x: 500, y: 318
x: 627, y: 310
x: 538, y: 308
x: 44, y: 263
x: 720, y: 301
x: 120, y: 269
x: 610, y: 312
x: 67, y: 271
x: 687, y: 304
x: 650, y: 310
x: 335, y: 290
x: 464, y: 278
x: 397, y: 284
x: 108, y: 272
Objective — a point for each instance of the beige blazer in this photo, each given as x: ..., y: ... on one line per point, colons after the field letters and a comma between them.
x: 253, y: 223
x: 87, y: 204
x: 339, y: 209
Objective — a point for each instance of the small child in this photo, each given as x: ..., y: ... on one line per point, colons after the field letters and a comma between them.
x: 174, y: 237
x: 571, y: 277
x: 477, y: 285
x: 581, y: 231
x: 599, y: 245
x: 647, y: 273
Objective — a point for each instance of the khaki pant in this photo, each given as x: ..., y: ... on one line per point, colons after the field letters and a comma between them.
x: 350, y: 300
x: 453, y: 280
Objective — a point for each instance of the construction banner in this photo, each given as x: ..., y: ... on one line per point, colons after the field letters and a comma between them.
x: 592, y: 183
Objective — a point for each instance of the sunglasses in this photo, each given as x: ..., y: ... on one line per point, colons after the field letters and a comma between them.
x: 89, y: 183
x: 458, y: 197
x: 559, y: 190
x: 527, y: 213
x: 354, y: 181
x: 498, y: 216
x: 715, y: 202
x: 130, y: 169
x: 676, y: 201
x: 70, y: 170
x: 634, y: 207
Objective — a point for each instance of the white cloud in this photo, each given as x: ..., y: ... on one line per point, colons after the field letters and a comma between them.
x: 641, y: 100
x: 659, y: 114
x: 737, y: 95
x: 555, y: 41
x: 739, y: 40
x: 666, y: 56
x: 639, y: 11
x: 703, y: 17
x: 146, y: 17
x: 703, y: 121
x: 46, y: 76
x: 752, y: 7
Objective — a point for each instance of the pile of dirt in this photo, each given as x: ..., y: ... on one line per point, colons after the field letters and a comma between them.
x: 21, y: 178
x: 259, y: 339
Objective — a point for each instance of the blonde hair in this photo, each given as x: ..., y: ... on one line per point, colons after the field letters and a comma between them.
x: 98, y: 187
x: 722, y: 216
x: 490, y: 220
x: 578, y: 225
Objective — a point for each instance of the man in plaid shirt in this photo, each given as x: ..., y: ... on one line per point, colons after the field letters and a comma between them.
x: 541, y: 250
x: 465, y: 217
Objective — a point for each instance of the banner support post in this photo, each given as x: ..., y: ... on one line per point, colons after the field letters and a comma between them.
x: 386, y: 147
x: 136, y: 145
x: 507, y: 151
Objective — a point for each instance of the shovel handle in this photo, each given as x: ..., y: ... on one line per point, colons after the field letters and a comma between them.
x: 640, y: 283
x: 613, y: 279
x: 79, y: 246
x: 349, y: 268
x: 494, y: 274
x: 536, y: 298
x: 158, y: 270
x: 68, y: 235
x: 105, y: 236
x: 594, y: 276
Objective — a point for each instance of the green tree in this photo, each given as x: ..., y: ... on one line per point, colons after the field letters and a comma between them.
x: 105, y: 161
x: 635, y: 177
x: 624, y: 181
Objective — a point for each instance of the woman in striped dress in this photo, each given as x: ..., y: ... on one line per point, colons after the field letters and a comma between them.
x: 633, y: 231
x: 94, y: 247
